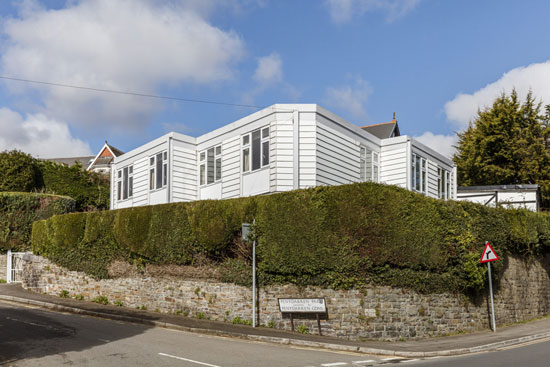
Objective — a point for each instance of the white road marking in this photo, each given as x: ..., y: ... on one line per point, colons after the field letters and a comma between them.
x: 362, y: 362
x: 334, y: 364
x: 410, y: 360
x: 187, y: 360
x: 390, y: 359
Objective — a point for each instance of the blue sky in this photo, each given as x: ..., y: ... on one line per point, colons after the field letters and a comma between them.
x: 432, y: 62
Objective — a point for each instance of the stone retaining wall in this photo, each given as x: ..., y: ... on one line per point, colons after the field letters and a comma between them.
x: 374, y: 313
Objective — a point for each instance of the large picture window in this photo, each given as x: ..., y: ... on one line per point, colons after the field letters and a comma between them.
x: 125, y: 183
x: 158, y: 171
x: 255, y: 149
x: 210, y: 165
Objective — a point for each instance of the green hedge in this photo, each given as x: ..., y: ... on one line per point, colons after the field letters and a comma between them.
x: 340, y: 237
x: 19, y: 210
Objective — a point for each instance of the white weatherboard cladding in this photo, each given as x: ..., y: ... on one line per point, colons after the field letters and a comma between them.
x: 282, y: 153
x: 184, y: 174
x: 393, y: 163
x: 212, y: 191
x: 141, y: 182
x: 256, y: 183
x: 337, y: 157
x: 307, y: 148
x: 432, y: 179
x: 231, y: 167
x: 521, y: 199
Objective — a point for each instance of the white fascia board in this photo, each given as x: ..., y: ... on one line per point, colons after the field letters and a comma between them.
x: 348, y: 125
x: 215, y: 137
x: 418, y: 145
x: 395, y: 141
x: 151, y: 145
x: 97, y: 155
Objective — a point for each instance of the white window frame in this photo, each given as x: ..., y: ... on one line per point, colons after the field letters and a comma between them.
x: 375, y: 166
x: 443, y: 183
x: 205, y: 165
x: 419, y: 173
x: 153, y: 171
x: 370, y: 164
x: 125, y: 183
x: 247, y: 146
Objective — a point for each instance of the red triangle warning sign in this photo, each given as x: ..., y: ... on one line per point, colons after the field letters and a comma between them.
x: 488, y: 254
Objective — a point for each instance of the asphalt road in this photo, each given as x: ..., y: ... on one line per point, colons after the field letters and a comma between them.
x: 35, y: 337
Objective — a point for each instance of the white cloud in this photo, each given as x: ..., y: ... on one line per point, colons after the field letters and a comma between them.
x: 535, y: 77
x: 269, y: 69
x: 342, y: 11
x: 350, y: 98
x: 443, y: 144
x: 39, y: 136
x: 126, y: 45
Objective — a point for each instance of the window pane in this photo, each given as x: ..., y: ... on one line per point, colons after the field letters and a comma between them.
x: 130, y: 187
x: 423, y: 181
x: 246, y: 139
x: 375, y: 173
x: 165, y: 174
x: 375, y: 157
x: 218, y: 150
x: 119, y: 174
x: 131, y: 169
x: 265, y: 153
x: 218, y: 169
x: 256, y: 150
x: 265, y: 132
x: 417, y: 171
x: 203, y: 155
x: 119, y: 190
x: 202, y: 174
x: 210, y: 166
x: 159, y: 170
x: 125, y: 184
x: 246, y: 159
x: 165, y: 156
x: 152, y: 179
x: 152, y: 161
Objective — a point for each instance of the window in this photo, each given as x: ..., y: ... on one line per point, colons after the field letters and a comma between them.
x: 418, y: 173
x: 210, y: 165
x: 125, y: 183
x: 375, y: 167
x: 158, y: 171
x: 255, y: 150
x: 443, y: 183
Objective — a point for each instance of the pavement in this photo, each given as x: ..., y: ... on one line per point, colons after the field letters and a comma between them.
x: 430, y: 347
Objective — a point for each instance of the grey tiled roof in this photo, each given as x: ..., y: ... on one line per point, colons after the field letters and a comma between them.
x: 384, y: 130
x: 84, y: 161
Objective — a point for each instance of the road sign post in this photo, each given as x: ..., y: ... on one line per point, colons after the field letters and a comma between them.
x: 488, y: 256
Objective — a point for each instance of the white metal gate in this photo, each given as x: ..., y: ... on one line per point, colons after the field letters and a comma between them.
x: 15, y: 267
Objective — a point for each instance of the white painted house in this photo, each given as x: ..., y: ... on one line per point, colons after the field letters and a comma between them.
x: 505, y: 196
x: 280, y: 148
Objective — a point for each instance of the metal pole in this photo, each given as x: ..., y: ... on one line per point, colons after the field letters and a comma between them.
x: 254, y: 281
x: 491, y: 292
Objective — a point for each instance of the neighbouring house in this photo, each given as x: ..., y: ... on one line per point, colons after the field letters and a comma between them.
x: 506, y: 196
x: 384, y: 130
x: 102, y: 162
x: 280, y: 148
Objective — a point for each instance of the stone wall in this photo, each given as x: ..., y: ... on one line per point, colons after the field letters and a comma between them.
x: 3, y: 266
x: 522, y: 293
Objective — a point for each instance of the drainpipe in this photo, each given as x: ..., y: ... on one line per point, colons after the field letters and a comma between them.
x: 296, y: 149
x: 169, y: 173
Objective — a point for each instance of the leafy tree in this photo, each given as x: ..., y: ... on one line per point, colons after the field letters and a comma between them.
x: 18, y: 172
x: 507, y: 143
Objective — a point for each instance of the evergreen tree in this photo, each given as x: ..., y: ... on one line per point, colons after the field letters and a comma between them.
x: 506, y: 144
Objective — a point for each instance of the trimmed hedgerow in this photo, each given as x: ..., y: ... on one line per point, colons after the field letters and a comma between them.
x: 19, y: 210
x: 340, y: 237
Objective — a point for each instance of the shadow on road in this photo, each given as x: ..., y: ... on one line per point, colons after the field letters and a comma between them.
x: 27, y: 333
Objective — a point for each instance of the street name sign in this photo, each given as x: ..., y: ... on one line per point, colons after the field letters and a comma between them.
x: 302, y: 305
x: 488, y: 254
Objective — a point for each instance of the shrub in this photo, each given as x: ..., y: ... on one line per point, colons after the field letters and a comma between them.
x: 18, y: 211
x: 19, y: 172
x: 79, y: 297
x: 200, y: 315
x: 64, y: 294
x: 302, y: 329
x: 339, y: 237
x: 240, y: 321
